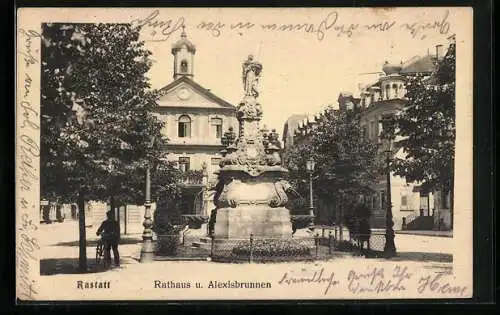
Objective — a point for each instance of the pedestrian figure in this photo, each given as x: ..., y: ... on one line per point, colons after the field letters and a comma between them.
x: 110, y: 237
x: 358, y: 223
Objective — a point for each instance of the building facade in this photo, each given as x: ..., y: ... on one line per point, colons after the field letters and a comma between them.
x: 412, y: 207
x: 385, y: 98
x: 195, y: 121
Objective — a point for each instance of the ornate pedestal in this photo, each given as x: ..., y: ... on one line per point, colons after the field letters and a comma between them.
x: 251, y: 192
x: 253, y: 205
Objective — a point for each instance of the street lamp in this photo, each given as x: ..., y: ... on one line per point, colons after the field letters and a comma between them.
x: 147, y: 250
x: 390, y: 247
x: 310, y: 164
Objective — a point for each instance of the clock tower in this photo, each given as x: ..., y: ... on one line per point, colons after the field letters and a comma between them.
x: 183, y: 51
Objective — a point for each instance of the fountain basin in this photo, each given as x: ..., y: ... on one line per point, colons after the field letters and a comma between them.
x: 259, y: 220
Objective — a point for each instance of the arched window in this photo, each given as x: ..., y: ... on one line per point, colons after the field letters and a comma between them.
x: 395, y: 88
x: 216, y: 124
x: 184, y: 66
x: 184, y: 126
x: 387, y: 90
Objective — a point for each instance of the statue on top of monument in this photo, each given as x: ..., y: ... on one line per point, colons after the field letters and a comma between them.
x: 251, y: 75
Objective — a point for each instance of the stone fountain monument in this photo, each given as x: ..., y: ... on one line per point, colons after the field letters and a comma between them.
x: 251, y: 193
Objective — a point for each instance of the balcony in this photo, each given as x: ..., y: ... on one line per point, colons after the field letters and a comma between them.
x: 191, y: 178
x: 206, y: 141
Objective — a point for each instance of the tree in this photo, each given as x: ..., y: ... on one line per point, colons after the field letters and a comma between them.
x: 346, y: 161
x: 98, y: 130
x: 97, y: 112
x: 426, y: 127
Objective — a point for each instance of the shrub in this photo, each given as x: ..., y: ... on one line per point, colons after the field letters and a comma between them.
x: 167, y: 245
x: 168, y: 237
x: 344, y: 246
x: 272, y: 248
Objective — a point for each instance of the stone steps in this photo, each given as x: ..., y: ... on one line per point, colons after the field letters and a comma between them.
x: 203, y: 242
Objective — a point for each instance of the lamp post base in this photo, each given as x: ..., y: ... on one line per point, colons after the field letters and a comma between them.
x: 310, y: 226
x: 389, y: 247
x: 311, y: 214
x: 147, y: 252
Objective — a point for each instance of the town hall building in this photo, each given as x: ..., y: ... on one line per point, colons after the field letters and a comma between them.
x: 195, y: 121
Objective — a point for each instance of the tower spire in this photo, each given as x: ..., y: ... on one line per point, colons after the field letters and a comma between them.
x: 183, y: 51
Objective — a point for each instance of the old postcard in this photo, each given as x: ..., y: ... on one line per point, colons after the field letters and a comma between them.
x: 243, y: 153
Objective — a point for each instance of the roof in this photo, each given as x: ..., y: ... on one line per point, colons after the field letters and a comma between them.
x: 421, y: 65
x: 345, y: 94
x: 391, y: 68
x: 183, y: 42
x: 197, y: 87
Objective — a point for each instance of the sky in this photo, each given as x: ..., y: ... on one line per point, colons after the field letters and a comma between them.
x: 301, y: 73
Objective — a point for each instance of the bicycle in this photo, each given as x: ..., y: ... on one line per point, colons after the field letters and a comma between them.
x: 101, y: 254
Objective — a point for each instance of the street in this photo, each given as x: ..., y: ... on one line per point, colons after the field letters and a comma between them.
x: 60, y: 248
x: 59, y: 267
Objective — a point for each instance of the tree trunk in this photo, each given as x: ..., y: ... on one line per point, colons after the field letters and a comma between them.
x: 115, y: 212
x: 112, y: 207
x: 341, y: 220
x: 452, y: 204
x: 83, y: 237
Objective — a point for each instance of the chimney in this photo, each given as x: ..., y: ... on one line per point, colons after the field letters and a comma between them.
x: 439, y: 51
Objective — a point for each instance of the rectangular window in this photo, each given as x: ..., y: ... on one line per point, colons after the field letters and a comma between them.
x: 404, y: 201
x: 184, y: 164
x: 216, y: 127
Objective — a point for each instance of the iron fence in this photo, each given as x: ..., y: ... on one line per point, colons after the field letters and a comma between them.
x: 370, y: 245
x: 186, y: 244
x: 190, y: 239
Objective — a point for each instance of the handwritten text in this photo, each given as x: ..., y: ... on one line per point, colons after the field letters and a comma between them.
x: 438, y: 284
x: 331, y: 23
x: 160, y: 29
x: 27, y: 164
x: 310, y: 277
x: 376, y: 281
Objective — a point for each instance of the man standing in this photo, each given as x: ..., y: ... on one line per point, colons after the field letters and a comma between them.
x: 110, y: 237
